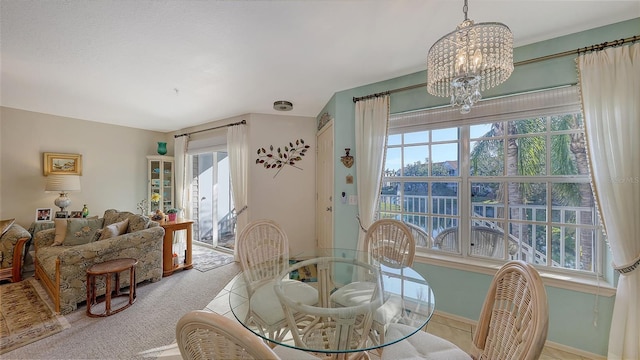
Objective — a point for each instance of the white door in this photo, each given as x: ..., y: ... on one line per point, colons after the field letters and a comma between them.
x: 324, y: 187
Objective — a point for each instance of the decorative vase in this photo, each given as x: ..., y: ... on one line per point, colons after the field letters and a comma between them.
x: 162, y: 147
x: 172, y: 216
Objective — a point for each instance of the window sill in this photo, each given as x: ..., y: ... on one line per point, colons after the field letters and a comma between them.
x: 590, y: 285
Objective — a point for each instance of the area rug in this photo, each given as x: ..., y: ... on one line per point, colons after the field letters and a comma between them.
x: 26, y: 315
x: 205, y: 260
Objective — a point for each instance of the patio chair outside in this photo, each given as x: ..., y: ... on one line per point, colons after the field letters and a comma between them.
x: 485, y: 241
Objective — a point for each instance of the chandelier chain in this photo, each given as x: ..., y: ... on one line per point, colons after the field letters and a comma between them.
x: 465, y: 8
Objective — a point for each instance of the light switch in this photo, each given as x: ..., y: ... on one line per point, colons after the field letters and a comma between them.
x: 353, y: 199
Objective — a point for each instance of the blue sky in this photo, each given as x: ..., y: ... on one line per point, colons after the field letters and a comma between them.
x: 444, y: 148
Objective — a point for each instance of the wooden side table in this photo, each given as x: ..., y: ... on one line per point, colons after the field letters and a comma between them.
x: 170, y: 227
x: 108, y: 269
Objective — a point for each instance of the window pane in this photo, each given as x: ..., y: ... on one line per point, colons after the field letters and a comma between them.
x: 484, y: 130
x: 415, y: 197
x: 445, y: 134
x: 531, y: 155
x: 485, y: 202
x: 563, y: 245
x: 444, y: 201
x: 565, y: 155
x: 395, y: 139
x: 416, y: 137
x: 393, y: 161
x: 527, y: 126
x: 415, y: 160
x: 567, y: 122
x: 444, y: 160
x: 525, y: 195
x: 422, y: 238
x: 486, y: 158
x: 390, y: 198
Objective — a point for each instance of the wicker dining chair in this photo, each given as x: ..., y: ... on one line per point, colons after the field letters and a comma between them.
x: 389, y: 242
x: 263, y: 249
x: 205, y: 335
x: 513, y: 322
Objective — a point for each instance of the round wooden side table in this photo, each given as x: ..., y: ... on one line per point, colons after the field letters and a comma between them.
x: 108, y: 269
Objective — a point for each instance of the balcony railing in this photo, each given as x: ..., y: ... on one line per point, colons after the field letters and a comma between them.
x: 525, y: 221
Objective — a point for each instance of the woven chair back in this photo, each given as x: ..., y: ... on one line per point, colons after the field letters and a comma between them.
x: 390, y: 242
x: 204, y: 335
x: 263, y: 249
x: 514, y: 319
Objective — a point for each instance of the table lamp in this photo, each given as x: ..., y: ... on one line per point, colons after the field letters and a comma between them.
x: 62, y: 184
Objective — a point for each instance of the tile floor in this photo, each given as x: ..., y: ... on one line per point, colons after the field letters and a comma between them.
x: 458, y: 332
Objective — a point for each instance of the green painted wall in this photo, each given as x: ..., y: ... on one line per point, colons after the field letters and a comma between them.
x: 571, y: 317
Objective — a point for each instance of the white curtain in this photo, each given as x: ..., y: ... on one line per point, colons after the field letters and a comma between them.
x: 182, y: 185
x: 372, y: 118
x: 610, y: 87
x: 238, y: 149
x: 182, y: 182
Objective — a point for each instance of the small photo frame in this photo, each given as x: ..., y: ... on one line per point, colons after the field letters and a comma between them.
x: 76, y: 214
x: 43, y: 214
x: 62, y: 164
x: 62, y: 214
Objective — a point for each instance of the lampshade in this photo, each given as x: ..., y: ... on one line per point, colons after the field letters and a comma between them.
x: 472, y: 58
x: 62, y: 183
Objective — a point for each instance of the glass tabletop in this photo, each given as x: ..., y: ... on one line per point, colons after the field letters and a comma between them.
x: 335, y: 300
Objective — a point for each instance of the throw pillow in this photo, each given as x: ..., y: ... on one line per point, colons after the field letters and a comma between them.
x: 5, y: 225
x: 61, y: 231
x: 82, y: 231
x: 136, y: 222
x: 114, y: 230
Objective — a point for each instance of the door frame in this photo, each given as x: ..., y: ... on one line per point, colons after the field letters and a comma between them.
x: 325, y: 186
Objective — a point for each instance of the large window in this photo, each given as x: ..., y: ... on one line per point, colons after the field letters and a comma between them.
x: 497, y: 187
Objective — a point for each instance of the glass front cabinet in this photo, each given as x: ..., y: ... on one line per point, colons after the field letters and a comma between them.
x: 161, y: 183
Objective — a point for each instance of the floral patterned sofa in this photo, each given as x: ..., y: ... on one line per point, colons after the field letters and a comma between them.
x: 63, y: 254
x: 13, y: 240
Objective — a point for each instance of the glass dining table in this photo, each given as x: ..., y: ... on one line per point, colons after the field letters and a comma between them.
x: 353, y: 300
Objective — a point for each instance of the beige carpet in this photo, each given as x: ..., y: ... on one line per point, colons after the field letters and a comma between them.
x: 26, y: 315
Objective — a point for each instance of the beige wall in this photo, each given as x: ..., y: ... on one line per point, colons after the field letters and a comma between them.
x: 289, y: 197
x: 114, y: 163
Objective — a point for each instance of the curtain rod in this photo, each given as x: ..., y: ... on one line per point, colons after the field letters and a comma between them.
x: 243, y: 122
x: 578, y: 51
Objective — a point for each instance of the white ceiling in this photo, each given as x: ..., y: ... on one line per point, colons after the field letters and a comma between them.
x: 165, y: 65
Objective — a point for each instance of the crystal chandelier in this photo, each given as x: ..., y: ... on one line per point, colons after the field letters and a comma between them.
x: 473, y: 58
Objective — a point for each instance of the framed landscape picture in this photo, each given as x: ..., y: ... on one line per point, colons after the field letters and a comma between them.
x: 64, y: 164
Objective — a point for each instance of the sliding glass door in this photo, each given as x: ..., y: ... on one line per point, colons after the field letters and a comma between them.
x: 214, y: 221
